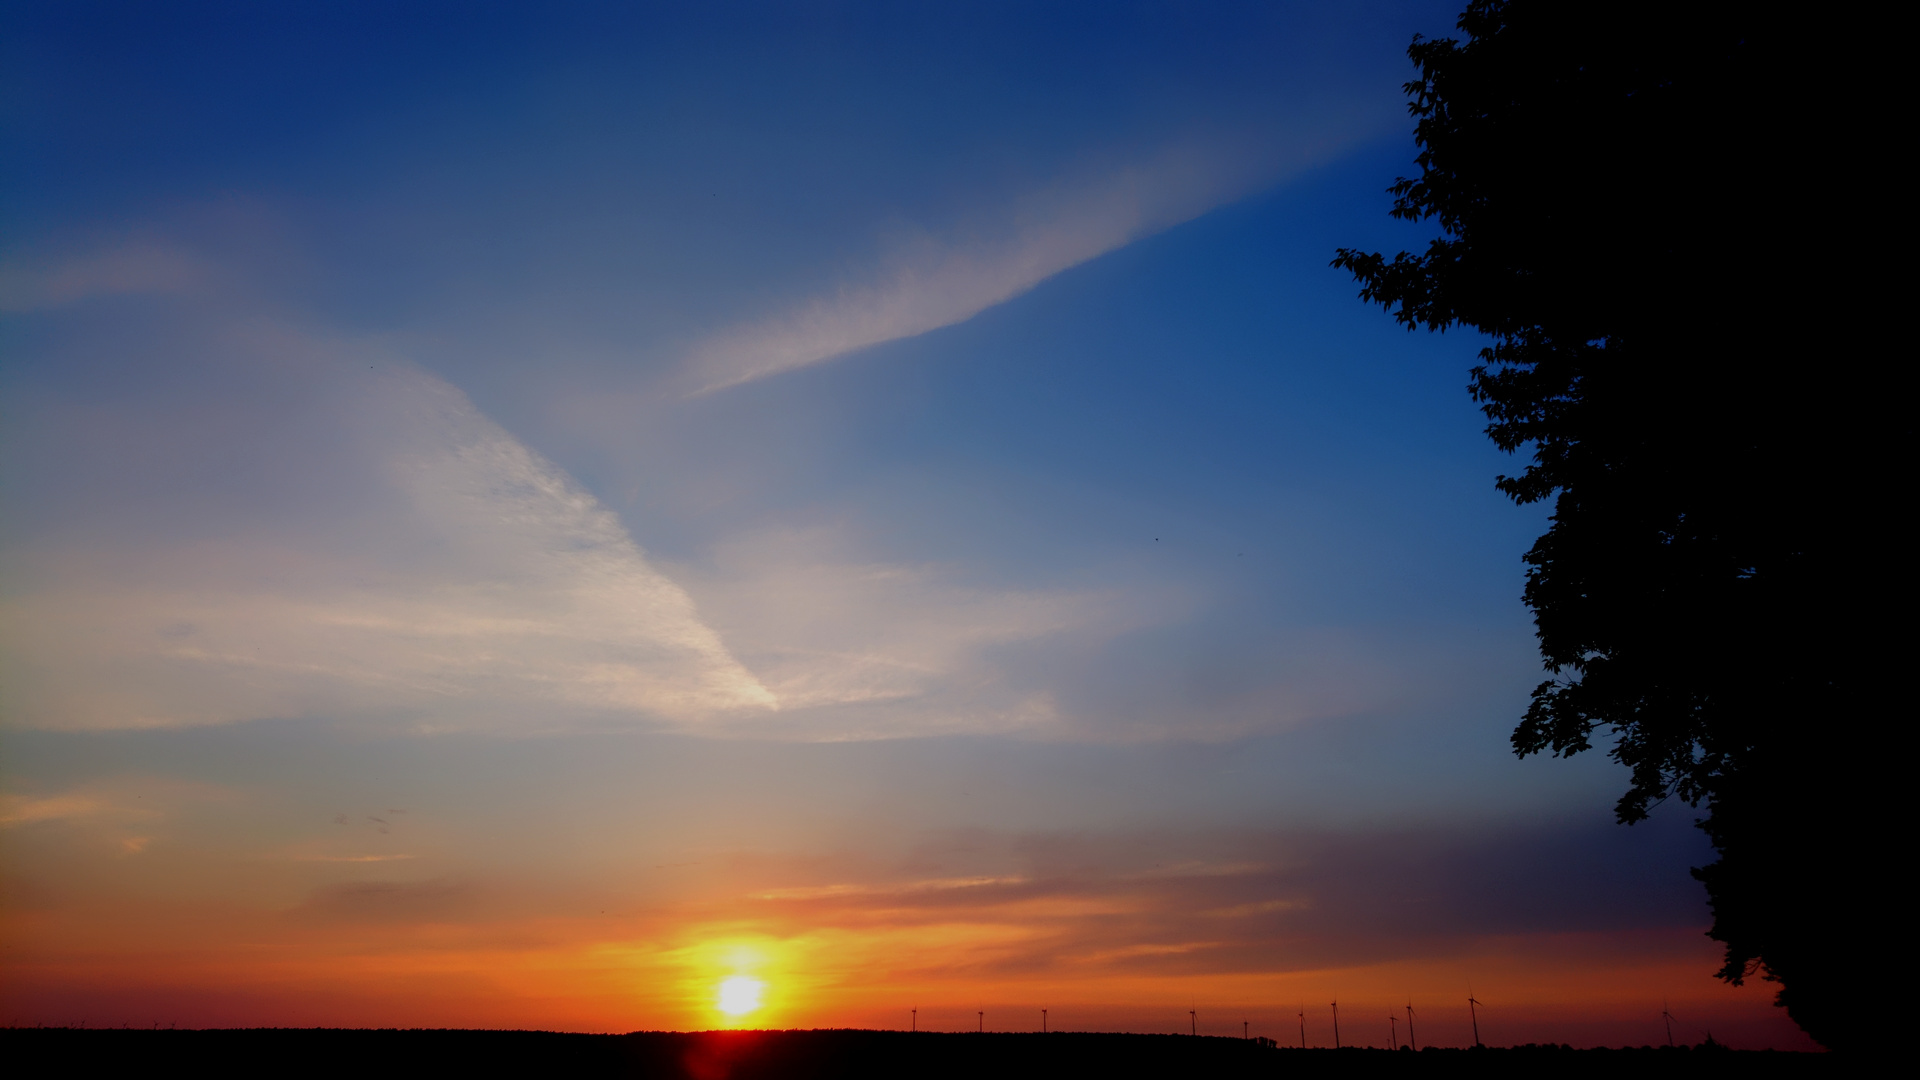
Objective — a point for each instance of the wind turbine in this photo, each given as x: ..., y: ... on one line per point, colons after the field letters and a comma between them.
x: 914, y: 1024
x: 1471, y: 1002
x: 1411, y: 1040
x: 1336, y: 1025
x: 1193, y: 1019
x: 1303, y: 1027
x: 1043, y: 1021
x: 1393, y: 1032
x: 1668, y: 1017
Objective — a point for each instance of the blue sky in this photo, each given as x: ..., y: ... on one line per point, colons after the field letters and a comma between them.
x: 786, y: 436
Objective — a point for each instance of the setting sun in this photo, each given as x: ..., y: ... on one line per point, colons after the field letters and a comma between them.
x: 740, y: 995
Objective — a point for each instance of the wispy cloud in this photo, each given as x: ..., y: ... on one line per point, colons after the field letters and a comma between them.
x: 844, y: 890
x: 26, y: 810
x: 465, y: 581
x: 131, y: 266
x: 122, y: 815
x: 1074, y: 905
x: 856, y: 648
x: 939, y: 278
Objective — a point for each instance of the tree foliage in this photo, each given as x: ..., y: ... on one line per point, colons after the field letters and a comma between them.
x: 1649, y: 210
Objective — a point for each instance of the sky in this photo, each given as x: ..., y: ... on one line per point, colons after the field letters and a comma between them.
x: 517, y: 515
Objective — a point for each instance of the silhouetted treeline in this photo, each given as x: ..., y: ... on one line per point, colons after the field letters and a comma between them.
x: 1676, y: 221
x: 819, y: 1055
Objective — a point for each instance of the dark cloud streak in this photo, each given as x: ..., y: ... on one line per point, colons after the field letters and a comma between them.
x: 1265, y: 901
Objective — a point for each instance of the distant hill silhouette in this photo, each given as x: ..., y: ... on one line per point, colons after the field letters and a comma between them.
x: 819, y: 1055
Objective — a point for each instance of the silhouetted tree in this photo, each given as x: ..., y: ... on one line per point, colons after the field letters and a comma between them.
x: 1665, y: 217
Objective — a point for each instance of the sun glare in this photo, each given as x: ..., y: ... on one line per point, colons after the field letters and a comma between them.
x: 740, y: 995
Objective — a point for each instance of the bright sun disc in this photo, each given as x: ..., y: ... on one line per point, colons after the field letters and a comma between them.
x: 740, y: 995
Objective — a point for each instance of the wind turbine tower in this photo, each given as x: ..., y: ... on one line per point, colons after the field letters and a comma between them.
x: 1412, y: 1040
x: 1193, y: 1021
x: 1471, y: 1003
x: 1668, y: 1017
x: 1336, y: 1025
x: 1393, y: 1032
x: 1043, y: 1021
x: 1303, y: 1027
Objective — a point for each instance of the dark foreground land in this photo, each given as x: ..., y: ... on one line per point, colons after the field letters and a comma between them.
x: 800, y: 1055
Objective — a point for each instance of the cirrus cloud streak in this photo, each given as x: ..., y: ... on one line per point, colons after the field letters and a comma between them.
x: 933, y: 279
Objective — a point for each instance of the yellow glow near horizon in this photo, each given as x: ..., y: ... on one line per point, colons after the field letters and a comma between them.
x: 740, y: 995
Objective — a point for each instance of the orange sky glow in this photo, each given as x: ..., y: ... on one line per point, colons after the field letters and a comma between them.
x: 1119, y: 953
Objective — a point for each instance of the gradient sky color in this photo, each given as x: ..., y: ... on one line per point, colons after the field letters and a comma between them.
x: 516, y: 514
